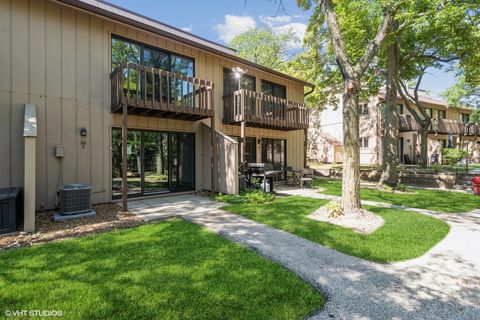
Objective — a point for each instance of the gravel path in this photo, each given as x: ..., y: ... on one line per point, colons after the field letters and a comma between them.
x: 442, y: 284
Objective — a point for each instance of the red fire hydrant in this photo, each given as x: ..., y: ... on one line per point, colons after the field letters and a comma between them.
x: 476, y: 185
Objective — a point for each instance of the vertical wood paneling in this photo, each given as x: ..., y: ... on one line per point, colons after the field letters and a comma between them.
x: 20, y: 86
x: 53, y: 123
x: 83, y: 96
x: 37, y: 61
x: 69, y: 110
x: 5, y: 91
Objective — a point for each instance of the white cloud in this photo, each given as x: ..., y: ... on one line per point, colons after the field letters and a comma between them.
x: 275, y: 20
x: 234, y: 25
x: 284, y: 23
x: 188, y: 29
x: 297, y: 28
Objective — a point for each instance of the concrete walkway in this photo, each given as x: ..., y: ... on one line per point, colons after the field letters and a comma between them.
x: 442, y: 284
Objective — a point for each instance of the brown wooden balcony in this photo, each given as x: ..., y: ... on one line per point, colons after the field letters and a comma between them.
x: 407, y: 123
x: 159, y: 93
x: 443, y: 126
x: 264, y: 111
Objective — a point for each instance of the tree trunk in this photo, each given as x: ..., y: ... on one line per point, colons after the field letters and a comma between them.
x: 351, y: 150
x: 389, y: 174
x: 423, y: 132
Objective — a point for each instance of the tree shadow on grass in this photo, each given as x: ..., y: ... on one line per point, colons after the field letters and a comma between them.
x: 168, y: 270
x: 356, y: 288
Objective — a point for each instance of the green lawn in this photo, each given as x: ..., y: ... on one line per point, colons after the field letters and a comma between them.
x: 169, y: 270
x: 404, y: 235
x: 445, y: 201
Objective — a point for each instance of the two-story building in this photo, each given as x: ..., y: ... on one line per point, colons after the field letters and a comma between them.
x: 450, y: 128
x: 88, y: 68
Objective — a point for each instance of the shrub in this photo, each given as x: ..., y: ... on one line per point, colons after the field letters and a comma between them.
x: 401, y: 187
x: 436, y: 168
x: 334, y: 209
x: 248, y: 196
x: 453, y: 156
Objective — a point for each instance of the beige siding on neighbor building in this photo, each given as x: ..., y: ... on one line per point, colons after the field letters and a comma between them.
x: 58, y: 58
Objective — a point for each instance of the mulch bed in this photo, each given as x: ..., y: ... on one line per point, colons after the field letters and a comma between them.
x: 109, y: 217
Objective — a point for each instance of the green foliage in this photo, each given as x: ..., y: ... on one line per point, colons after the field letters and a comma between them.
x: 436, y: 168
x: 334, y: 208
x: 464, y: 93
x: 405, y: 235
x: 359, y: 21
x: 168, y: 270
x: 437, y: 200
x: 264, y: 47
x: 248, y: 196
x: 452, y: 155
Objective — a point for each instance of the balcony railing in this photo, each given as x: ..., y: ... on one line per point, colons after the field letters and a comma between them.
x: 407, y: 123
x: 264, y: 111
x: 155, y: 92
x: 442, y: 126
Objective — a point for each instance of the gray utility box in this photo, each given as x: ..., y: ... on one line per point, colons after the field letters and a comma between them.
x: 11, y: 209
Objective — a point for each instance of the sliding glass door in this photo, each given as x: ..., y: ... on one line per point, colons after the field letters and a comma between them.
x: 274, y: 152
x: 157, y: 162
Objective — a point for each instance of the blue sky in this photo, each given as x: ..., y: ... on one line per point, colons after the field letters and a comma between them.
x: 219, y: 21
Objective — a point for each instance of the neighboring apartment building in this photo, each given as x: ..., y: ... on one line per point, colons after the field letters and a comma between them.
x: 449, y: 128
x: 79, y: 62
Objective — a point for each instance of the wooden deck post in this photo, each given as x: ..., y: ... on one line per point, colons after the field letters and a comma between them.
x: 305, y: 146
x: 242, y: 128
x: 213, y: 136
x: 214, y: 155
x: 124, y: 157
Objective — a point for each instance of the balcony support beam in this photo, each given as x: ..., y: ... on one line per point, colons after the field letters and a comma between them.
x: 124, y: 158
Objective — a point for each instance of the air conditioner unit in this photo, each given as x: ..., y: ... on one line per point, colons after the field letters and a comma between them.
x: 75, y: 202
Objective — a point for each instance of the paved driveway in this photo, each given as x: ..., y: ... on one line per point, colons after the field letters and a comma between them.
x: 442, y: 284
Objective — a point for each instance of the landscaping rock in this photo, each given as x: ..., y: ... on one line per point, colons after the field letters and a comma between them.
x: 108, y: 217
x: 362, y: 221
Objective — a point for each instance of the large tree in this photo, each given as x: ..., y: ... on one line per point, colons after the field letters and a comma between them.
x: 265, y: 47
x: 353, y: 60
x: 389, y: 174
x: 434, y: 34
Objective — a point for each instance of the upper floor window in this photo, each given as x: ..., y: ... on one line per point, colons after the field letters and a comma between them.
x: 400, y: 108
x: 274, y: 89
x: 429, y: 112
x: 363, y: 109
x: 363, y: 142
x: 132, y: 51
x: 441, y: 114
x: 465, y: 118
x: 230, y: 82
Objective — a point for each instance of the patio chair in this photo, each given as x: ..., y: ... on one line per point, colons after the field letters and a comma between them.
x: 289, y: 176
x: 306, y: 177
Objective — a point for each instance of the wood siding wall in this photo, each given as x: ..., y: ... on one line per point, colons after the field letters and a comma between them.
x: 58, y: 58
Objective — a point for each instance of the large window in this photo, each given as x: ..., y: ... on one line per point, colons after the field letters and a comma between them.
x: 132, y: 51
x: 465, y: 118
x: 156, y: 162
x: 250, y: 149
x: 230, y: 82
x: 230, y: 85
x: 274, y: 89
x: 441, y: 114
x: 274, y: 151
x: 272, y: 108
